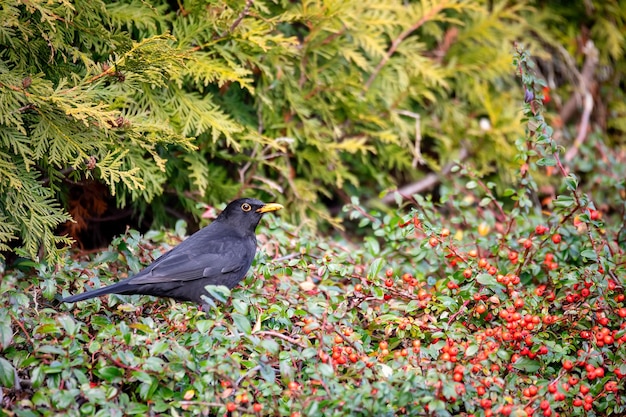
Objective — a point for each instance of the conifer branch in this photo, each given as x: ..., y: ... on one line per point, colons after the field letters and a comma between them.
x: 397, y: 41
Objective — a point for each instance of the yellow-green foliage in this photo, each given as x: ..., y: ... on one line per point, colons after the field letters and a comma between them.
x: 281, y: 99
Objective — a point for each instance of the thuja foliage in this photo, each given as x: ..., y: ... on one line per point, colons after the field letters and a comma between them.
x: 478, y: 306
x: 171, y: 104
x: 204, y: 101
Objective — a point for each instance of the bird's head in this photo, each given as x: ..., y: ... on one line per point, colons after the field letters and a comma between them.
x: 245, y: 213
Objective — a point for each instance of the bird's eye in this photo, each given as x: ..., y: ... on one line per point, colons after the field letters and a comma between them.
x: 246, y: 207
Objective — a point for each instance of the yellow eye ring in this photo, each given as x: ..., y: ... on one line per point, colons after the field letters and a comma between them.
x: 246, y: 207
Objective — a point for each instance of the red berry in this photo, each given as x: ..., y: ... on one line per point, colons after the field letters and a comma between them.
x: 556, y: 238
x: 257, y: 407
x: 611, y: 386
x: 230, y: 407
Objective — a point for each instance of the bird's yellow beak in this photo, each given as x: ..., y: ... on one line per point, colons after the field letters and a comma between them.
x: 269, y: 207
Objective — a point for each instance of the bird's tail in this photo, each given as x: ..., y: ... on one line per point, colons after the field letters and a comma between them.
x: 118, y: 288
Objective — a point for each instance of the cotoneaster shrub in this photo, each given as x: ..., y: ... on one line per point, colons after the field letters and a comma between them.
x: 483, y: 304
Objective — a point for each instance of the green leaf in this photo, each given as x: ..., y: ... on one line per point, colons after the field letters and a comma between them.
x: 242, y: 323
x: 549, y: 161
x: 48, y: 328
x: 6, y: 334
x: 271, y: 346
x: 564, y: 201
x: 326, y: 370
x: 571, y: 182
x: 137, y: 408
x: 240, y: 305
x: 68, y: 323
x: 111, y: 374
x: 488, y: 281
x: 375, y: 267
x: 527, y: 365
x: 7, y: 373
x: 448, y: 302
x: 471, y: 350
x: 589, y: 254
x: 268, y: 373
x: 219, y: 292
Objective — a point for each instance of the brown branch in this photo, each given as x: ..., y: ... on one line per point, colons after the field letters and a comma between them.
x: 21, y: 326
x: 448, y: 40
x: 356, y: 348
x: 280, y: 336
x: 206, y: 404
x: 243, y: 14
x: 396, y: 43
x: 454, y: 316
x: 582, y: 128
x: 586, y: 83
x: 429, y: 181
x: 122, y: 365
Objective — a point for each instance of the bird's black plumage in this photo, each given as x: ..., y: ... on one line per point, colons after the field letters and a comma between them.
x: 219, y: 254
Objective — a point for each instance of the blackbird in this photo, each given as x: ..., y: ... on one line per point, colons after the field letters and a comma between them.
x: 219, y: 254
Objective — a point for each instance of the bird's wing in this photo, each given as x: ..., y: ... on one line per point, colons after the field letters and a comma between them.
x: 200, y: 260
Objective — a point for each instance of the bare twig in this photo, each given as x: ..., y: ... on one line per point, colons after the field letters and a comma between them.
x: 582, y: 128
x: 21, y: 326
x: 454, y: 316
x: 243, y: 14
x: 586, y: 81
x: 585, y: 78
x: 429, y: 181
x: 247, y: 374
x: 272, y: 333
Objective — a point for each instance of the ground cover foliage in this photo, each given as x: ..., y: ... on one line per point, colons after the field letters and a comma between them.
x: 480, y: 304
x: 154, y: 107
